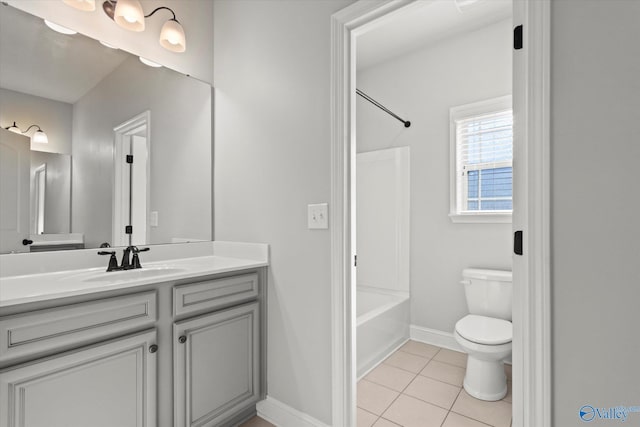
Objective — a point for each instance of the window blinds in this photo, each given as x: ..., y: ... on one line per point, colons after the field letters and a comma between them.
x: 484, y: 161
x: 485, y: 140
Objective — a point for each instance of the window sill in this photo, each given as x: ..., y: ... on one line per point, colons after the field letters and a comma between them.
x: 481, y: 218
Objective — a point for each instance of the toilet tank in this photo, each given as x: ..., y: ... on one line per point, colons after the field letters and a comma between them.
x: 488, y: 292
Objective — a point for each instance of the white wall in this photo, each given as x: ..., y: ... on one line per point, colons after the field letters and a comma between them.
x: 53, y: 117
x: 194, y: 15
x: 180, y: 151
x: 421, y: 87
x: 383, y: 216
x: 595, y: 151
x: 272, y: 137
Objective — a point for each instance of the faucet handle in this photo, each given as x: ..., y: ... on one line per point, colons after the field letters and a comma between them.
x: 135, y: 262
x: 113, y: 261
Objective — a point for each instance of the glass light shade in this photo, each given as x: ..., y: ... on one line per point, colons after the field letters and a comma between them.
x: 84, y: 5
x: 39, y: 137
x: 172, y: 36
x: 13, y: 128
x: 129, y: 15
x: 59, y: 28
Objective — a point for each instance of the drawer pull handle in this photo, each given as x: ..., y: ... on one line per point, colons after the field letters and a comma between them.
x: 153, y: 348
x: 182, y: 339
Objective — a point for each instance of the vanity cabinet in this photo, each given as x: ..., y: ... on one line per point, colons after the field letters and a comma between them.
x: 216, y: 359
x: 110, y: 384
x: 181, y: 353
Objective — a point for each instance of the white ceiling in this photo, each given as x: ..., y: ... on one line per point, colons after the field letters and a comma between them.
x: 39, y: 61
x: 427, y: 22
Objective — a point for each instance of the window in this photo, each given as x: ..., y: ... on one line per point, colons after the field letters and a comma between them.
x: 481, y: 161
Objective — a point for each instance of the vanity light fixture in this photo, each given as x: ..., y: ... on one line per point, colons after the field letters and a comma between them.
x: 129, y: 15
x: 84, y: 5
x: 38, y: 137
x: 59, y: 28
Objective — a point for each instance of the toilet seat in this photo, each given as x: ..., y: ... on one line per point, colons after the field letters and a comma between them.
x: 485, y: 330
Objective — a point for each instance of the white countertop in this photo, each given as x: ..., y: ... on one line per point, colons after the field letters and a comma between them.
x: 43, y: 286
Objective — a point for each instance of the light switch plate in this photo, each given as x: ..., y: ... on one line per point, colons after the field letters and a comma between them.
x: 318, y: 216
x: 153, y: 219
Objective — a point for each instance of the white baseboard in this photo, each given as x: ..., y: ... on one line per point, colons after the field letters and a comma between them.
x: 282, y: 415
x: 438, y: 338
x: 434, y: 337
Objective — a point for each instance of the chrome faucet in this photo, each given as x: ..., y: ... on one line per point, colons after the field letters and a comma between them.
x: 128, y: 262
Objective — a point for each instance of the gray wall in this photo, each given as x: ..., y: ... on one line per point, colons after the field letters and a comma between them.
x: 57, y: 203
x: 180, y: 151
x: 272, y: 136
x: 53, y: 117
x: 595, y: 149
x: 421, y: 87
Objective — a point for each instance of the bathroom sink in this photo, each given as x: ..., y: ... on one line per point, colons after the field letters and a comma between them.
x: 141, y: 273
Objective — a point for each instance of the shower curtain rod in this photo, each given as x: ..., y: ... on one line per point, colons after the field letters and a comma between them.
x: 382, y: 107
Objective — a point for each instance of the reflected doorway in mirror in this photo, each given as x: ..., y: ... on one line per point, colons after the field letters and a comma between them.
x: 131, y: 173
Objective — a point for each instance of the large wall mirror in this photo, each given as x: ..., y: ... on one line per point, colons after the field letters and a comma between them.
x: 100, y: 107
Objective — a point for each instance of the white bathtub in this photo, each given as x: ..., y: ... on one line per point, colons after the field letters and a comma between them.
x: 382, y: 324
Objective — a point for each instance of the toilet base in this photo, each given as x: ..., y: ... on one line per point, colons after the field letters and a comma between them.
x: 485, y: 379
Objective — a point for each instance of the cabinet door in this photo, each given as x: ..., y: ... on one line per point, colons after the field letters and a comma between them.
x: 111, y: 384
x: 216, y: 372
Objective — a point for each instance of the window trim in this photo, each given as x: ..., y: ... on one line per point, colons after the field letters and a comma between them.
x: 459, y: 113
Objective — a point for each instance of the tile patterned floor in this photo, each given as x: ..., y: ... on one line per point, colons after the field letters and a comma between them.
x: 420, y: 385
x: 256, y: 422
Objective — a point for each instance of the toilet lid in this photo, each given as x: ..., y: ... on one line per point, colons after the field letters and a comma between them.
x: 485, y: 330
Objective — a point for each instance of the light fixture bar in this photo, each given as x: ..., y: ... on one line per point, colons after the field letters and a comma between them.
x: 128, y: 14
x: 39, y: 137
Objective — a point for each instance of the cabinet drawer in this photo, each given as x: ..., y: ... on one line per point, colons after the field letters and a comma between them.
x: 210, y: 294
x: 45, y: 330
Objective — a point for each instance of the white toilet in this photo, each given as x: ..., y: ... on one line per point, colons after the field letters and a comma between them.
x: 486, y: 333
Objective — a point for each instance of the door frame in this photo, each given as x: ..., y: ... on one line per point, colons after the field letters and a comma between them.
x: 532, y: 313
x: 121, y: 132
x: 39, y: 196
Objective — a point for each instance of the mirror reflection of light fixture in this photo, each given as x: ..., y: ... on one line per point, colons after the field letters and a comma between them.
x: 150, y: 63
x: 84, y: 5
x: 129, y: 15
x: 59, y: 28
x: 38, y: 137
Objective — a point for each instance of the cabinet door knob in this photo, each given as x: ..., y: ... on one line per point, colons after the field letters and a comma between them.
x: 182, y: 339
x: 153, y: 348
